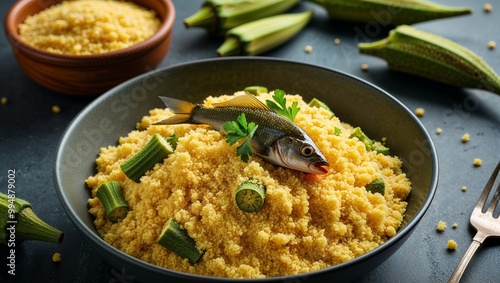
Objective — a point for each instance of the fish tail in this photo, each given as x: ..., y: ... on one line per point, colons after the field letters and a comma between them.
x: 182, y: 109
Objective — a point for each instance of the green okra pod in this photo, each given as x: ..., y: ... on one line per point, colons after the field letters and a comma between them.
x: 262, y: 35
x: 218, y: 16
x: 177, y: 239
x: 389, y: 12
x: 424, y: 54
x: 157, y: 149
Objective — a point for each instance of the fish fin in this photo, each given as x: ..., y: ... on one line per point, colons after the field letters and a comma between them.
x: 245, y: 100
x: 182, y: 110
x: 178, y: 106
x: 258, y: 148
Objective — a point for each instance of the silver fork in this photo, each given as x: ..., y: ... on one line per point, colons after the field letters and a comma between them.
x: 484, y: 222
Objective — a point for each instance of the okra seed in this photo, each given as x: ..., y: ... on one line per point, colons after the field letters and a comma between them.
x: 441, y: 226
x: 465, y: 138
x: 452, y: 245
x: 477, y: 162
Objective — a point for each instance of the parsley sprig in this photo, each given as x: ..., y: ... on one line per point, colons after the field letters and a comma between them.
x: 240, y: 129
x: 279, y: 105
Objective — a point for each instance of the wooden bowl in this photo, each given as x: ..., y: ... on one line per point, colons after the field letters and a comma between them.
x: 88, y: 74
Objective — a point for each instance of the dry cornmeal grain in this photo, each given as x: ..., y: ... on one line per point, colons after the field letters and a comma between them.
x: 89, y: 27
x: 56, y: 109
x: 492, y: 45
x: 487, y: 7
x: 56, y: 257
x: 451, y: 245
x: 305, y: 224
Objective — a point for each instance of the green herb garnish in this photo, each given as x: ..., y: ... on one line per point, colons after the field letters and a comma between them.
x: 240, y: 129
x: 280, y: 106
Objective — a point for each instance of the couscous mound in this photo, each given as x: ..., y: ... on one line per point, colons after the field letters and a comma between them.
x: 89, y: 27
x: 308, y: 222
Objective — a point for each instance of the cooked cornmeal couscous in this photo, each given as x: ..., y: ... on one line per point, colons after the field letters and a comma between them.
x: 86, y: 27
x: 308, y: 222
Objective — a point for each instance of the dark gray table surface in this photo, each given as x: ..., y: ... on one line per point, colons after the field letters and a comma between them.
x: 30, y: 132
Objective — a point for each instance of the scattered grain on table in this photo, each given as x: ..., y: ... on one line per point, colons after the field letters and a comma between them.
x: 4, y: 100
x: 455, y: 225
x: 439, y: 131
x: 465, y: 138
x: 308, y: 49
x: 365, y: 67
x: 56, y: 257
x: 452, y: 245
x: 337, y: 41
x: 478, y: 162
x: 488, y: 7
x: 420, y: 112
x: 464, y: 188
x: 441, y: 226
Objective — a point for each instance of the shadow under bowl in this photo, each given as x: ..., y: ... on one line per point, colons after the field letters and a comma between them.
x: 352, y: 100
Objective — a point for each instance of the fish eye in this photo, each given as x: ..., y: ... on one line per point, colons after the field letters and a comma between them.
x: 307, y: 150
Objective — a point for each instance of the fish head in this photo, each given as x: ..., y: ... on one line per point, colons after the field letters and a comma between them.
x: 300, y: 154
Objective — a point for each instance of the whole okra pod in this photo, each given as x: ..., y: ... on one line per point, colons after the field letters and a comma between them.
x: 421, y: 53
x: 264, y: 34
x: 218, y: 16
x: 389, y: 12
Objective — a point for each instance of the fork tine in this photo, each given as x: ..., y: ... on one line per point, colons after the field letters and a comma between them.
x: 487, y: 190
x: 494, y: 201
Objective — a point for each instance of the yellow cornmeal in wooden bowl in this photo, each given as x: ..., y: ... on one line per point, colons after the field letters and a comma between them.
x: 87, y: 27
x: 308, y: 222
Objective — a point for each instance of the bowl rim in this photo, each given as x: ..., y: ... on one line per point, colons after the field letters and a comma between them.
x: 97, y: 240
x: 12, y: 34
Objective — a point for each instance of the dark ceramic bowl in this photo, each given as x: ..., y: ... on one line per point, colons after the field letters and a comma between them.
x: 359, y: 103
x: 88, y: 74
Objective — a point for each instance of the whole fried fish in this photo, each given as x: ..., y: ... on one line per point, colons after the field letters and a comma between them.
x: 277, y: 140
